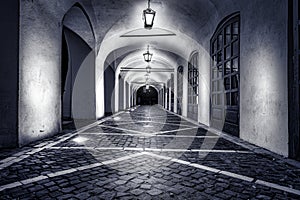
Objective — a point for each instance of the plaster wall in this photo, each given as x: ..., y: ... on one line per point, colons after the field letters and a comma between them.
x: 264, y: 94
x: 9, y: 39
x: 39, y: 94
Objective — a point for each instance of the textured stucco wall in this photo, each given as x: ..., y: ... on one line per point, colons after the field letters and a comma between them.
x: 39, y: 63
x: 264, y: 94
x: 9, y: 37
x: 39, y: 95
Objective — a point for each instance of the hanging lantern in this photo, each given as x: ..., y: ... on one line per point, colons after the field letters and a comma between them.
x: 148, y: 69
x: 147, y: 86
x: 147, y: 55
x: 148, y: 17
x: 147, y: 77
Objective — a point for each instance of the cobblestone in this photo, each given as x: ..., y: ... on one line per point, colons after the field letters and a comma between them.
x: 175, y: 165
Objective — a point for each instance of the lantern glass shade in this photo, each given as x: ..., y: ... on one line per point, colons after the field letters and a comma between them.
x: 147, y: 56
x: 148, y: 16
x: 147, y: 87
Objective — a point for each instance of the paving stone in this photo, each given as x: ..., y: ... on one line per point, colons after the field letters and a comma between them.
x: 83, y: 195
x: 136, y: 192
x: 109, y: 186
x: 66, y: 196
x: 146, y: 186
x: 154, y: 192
x: 68, y: 190
x: 137, y: 181
x: 121, y: 188
x: 120, y: 182
x: 97, y: 191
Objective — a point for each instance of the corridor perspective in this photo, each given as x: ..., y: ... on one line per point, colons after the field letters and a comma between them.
x: 150, y: 99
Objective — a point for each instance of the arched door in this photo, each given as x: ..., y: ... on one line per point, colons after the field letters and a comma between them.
x: 193, y: 81
x: 225, y: 67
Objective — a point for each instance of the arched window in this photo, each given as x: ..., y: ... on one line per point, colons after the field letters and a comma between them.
x: 193, y: 81
x: 225, y: 65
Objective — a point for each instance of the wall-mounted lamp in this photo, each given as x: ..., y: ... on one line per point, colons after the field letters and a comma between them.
x: 148, y: 17
x: 147, y: 55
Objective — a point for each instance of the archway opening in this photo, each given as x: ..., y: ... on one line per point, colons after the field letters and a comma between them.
x: 109, y: 86
x: 147, y: 96
x: 74, y: 51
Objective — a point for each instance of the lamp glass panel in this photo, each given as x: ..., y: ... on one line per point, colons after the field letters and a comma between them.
x: 149, y: 17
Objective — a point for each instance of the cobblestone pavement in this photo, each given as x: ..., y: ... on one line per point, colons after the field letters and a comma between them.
x: 146, y: 153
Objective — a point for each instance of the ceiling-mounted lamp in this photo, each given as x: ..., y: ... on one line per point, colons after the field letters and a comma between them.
x: 148, y: 69
x: 147, y: 55
x: 147, y: 76
x: 148, y: 17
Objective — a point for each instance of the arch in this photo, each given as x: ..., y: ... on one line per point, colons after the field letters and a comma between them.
x: 83, y: 10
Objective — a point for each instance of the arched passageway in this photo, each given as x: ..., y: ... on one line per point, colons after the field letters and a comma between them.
x: 74, y: 52
x: 147, y: 96
x: 217, y: 67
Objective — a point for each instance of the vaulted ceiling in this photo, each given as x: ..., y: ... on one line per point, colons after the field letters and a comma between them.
x: 118, y: 35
